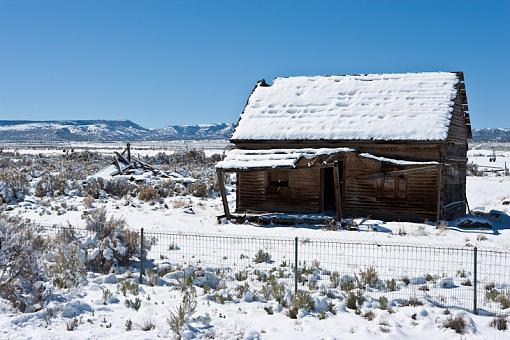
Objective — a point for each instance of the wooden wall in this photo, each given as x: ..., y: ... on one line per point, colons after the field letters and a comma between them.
x: 363, y: 196
x: 417, y: 151
x: 303, y: 193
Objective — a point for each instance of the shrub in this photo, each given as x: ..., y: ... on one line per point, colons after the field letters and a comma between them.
x: 472, y: 170
x: 466, y: 282
x: 503, y: 300
x: 369, y: 277
x: 301, y: 299
x: 114, y: 245
x: 128, y: 326
x: 22, y: 251
x: 198, y: 189
x: 178, y: 320
x: 481, y: 237
x: 94, y: 187
x: 278, y: 292
x: 391, y: 285
x: 126, y: 286
x: 269, y: 310
x: 72, y: 324
x: 147, y: 193
x: 383, y: 302
x: 369, y: 315
x: 412, y: 302
x: 13, y: 185
x: 242, y: 289
x: 148, y: 325
x: 136, y: 304
x: 166, y: 188
x: 119, y: 187
x: 334, y: 278
x: 458, y: 324
x: 50, y: 185
x: 67, y: 269
x: 261, y: 257
x: 241, y: 275
x: 347, y: 284
x: 355, y: 300
x: 499, y: 322
x: 266, y: 292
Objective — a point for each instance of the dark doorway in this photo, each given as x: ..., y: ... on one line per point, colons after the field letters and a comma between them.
x: 329, y: 190
x: 329, y: 194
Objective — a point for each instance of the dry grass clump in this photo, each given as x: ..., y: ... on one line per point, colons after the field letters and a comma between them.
x: 457, y: 323
x: 499, y: 322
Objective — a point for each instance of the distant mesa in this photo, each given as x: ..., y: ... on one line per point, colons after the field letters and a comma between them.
x: 107, y: 130
x: 126, y: 130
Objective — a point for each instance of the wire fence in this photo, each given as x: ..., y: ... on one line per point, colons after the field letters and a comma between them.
x: 469, y: 278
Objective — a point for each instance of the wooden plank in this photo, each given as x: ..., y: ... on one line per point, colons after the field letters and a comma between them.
x: 116, y: 162
x: 221, y: 183
x: 398, y: 172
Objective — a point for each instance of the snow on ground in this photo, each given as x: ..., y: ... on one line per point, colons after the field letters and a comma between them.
x: 238, y: 319
x: 242, y: 317
x: 139, y: 149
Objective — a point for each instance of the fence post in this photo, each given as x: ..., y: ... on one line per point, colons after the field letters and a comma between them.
x: 296, y: 264
x: 141, y: 256
x: 475, y: 279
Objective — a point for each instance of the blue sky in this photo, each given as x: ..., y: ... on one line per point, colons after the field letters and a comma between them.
x: 160, y: 62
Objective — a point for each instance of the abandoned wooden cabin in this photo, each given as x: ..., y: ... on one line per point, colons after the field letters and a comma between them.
x: 386, y: 146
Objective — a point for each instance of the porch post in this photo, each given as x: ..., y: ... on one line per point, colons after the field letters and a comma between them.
x: 338, y: 197
x: 221, y: 183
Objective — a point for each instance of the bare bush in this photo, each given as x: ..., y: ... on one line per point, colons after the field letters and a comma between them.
x: 94, y: 187
x: 457, y: 323
x: 119, y: 187
x: 13, y: 185
x: 166, y: 188
x: 21, y: 268
x: 178, y: 320
x: 198, y: 189
x: 50, y: 185
x: 67, y: 269
x: 114, y: 244
x: 147, y: 193
x: 499, y: 322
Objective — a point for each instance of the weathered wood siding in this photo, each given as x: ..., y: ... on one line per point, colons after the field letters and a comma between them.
x: 303, y: 193
x: 417, y: 151
x: 415, y: 199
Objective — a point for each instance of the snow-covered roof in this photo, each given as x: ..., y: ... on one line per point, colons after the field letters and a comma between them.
x: 272, y: 158
x: 410, y: 106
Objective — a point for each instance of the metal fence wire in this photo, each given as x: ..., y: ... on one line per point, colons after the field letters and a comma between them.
x: 468, y: 278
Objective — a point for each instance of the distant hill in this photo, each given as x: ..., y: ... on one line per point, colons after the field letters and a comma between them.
x: 126, y: 130
x: 491, y: 135
x: 106, y: 130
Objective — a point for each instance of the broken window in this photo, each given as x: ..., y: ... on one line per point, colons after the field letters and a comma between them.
x: 392, y: 188
x: 278, y: 182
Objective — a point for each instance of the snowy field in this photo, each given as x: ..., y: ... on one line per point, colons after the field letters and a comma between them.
x: 224, y: 310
